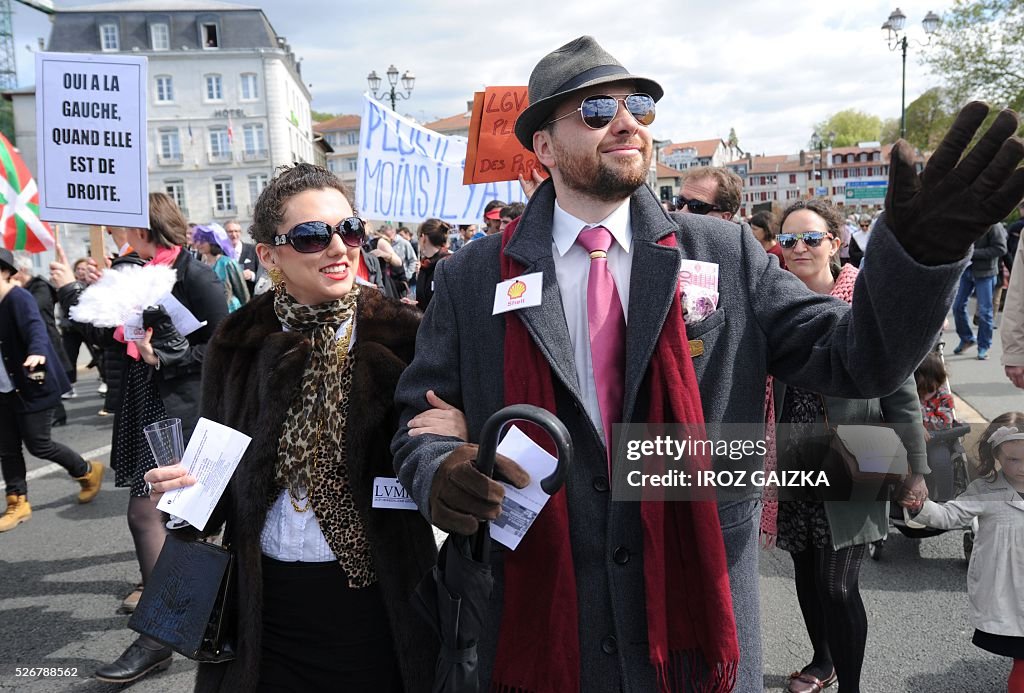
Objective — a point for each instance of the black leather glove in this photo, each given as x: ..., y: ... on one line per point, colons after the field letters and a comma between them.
x: 168, y: 344
x: 938, y: 215
x: 460, y: 496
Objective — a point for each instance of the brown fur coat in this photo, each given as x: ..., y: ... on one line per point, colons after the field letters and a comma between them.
x: 252, y: 370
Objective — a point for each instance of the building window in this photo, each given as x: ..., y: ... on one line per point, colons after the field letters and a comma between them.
x: 214, y: 88
x: 108, y: 37
x: 210, y: 35
x: 160, y: 37
x: 170, y: 146
x: 257, y: 182
x: 792, y: 178
x: 353, y: 137
x: 223, y: 196
x: 220, y: 145
x: 175, y: 190
x: 164, y: 89
x: 255, y: 142
x: 351, y: 164
x: 250, y: 92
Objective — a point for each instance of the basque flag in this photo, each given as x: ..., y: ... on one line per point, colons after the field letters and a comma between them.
x: 19, y: 223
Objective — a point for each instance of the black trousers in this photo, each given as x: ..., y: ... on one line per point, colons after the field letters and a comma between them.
x: 32, y: 430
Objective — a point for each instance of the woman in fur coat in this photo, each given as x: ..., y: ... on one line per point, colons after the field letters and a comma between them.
x: 309, y: 372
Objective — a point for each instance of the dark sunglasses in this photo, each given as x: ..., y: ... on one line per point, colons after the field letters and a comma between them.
x: 812, y: 239
x: 599, y: 110
x: 314, y: 236
x: 696, y: 206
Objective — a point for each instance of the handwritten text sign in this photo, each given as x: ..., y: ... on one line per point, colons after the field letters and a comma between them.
x: 496, y: 153
x: 409, y: 173
x: 91, y: 128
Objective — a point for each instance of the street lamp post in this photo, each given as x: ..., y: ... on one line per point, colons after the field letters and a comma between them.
x: 896, y: 38
x: 373, y: 81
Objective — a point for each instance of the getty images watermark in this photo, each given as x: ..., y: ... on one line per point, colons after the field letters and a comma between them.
x: 682, y: 462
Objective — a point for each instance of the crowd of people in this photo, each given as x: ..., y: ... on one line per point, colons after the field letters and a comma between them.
x: 349, y: 353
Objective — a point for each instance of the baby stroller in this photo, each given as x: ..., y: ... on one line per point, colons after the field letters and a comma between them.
x: 947, y: 459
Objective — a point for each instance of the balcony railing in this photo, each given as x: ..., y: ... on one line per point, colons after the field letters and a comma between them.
x: 174, y: 159
x: 220, y: 157
x: 225, y: 211
x: 254, y: 154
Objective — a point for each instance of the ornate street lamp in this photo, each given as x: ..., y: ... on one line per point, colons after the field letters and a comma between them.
x: 896, y: 38
x: 373, y: 81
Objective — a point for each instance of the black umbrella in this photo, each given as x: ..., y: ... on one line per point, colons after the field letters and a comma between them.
x: 453, y: 596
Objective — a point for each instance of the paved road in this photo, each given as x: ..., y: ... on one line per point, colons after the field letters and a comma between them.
x: 63, y: 573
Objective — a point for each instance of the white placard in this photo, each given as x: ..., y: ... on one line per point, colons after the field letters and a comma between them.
x: 212, y: 454
x: 408, y: 172
x: 524, y: 291
x: 389, y: 494
x: 91, y: 131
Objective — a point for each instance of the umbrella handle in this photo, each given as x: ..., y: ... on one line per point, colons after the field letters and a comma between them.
x: 493, y: 429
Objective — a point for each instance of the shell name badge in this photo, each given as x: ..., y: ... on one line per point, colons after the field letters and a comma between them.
x: 521, y: 292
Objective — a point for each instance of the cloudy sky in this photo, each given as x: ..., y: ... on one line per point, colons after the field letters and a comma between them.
x: 768, y: 68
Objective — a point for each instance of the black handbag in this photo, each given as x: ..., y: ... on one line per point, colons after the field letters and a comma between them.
x: 189, y: 601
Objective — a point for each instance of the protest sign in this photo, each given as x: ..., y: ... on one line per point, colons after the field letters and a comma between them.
x: 494, y: 153
x: 91, y: 128
x: 410, y: 173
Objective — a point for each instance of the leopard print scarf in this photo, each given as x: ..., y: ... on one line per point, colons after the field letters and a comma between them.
x: 311, y: 456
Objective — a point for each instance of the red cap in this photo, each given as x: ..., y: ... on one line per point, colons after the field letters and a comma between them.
x: 493, y: 214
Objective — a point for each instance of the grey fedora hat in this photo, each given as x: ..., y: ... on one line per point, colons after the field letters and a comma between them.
x: 579, y: 64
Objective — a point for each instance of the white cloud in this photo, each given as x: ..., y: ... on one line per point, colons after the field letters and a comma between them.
x: 769, y: 69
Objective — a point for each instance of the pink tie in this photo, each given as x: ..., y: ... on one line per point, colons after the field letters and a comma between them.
x: 607, y: 325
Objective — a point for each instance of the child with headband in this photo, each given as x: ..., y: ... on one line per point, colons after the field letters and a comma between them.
x: 995, y: 578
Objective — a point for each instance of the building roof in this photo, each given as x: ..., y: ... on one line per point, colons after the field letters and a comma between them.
x: 705, y: 148
x: 341, y: 122
x: 159, y: 6
x: 668, y: 172
x: 455, y: 122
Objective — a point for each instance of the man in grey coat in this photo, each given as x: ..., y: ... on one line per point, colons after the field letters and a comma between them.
x: 766, y: 322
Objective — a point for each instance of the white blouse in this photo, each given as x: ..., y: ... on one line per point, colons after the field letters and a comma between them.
x: 289, y: 535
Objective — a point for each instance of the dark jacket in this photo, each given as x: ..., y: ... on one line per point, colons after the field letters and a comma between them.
x: 987, y: 251
x: 22, y: 334
x: 46, y: 299
x: 251, y: 373
x: 425, y: 279
x: 248, y: 260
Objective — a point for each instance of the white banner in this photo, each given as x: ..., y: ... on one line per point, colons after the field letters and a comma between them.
x: 409, y: 173
x: 91, y: 130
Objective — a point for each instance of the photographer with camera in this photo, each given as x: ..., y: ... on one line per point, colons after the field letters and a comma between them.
x: 31, y: 383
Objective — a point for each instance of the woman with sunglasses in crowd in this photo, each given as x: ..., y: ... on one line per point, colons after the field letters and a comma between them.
x: 828, y: 539
x: 161, y: 380
x: 309, y: 370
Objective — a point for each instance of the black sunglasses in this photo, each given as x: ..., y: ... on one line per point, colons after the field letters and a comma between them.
x: 599, y: 110
x: 812, y: 239
x: 314, y: 236
x: 696, y: 206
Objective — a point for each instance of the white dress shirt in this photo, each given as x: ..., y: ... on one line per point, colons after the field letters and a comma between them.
x: 572, y: 270
x: 289, y: 535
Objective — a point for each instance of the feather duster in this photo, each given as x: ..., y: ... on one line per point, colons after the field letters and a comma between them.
x: 123, y: 294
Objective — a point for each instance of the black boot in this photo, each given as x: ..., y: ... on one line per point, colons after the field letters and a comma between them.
x: 134, y: 663
x: 60, y: 415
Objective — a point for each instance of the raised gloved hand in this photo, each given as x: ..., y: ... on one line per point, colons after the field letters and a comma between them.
x: 460, y: 496
x: 938, y: 215
x: 168, y: 344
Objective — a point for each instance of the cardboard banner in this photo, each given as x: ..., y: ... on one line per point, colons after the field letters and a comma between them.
x: 409, y: 173
x: 91, y: 129
x: 494, y: 152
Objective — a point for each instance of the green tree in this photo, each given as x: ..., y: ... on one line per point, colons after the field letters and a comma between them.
x: 321, y: 116
x: 733, y: 140
x: 7, y: 119
x: 928, y: 118
x: 980, y: 47
x: 847, y: 128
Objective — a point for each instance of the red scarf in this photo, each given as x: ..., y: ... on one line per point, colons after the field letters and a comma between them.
x: 688, y: 603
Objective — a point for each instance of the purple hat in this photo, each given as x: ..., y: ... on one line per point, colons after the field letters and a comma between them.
x: 214, y: 233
